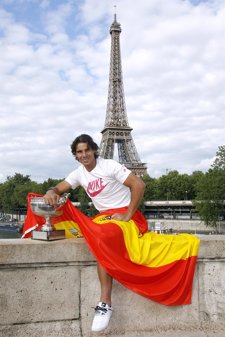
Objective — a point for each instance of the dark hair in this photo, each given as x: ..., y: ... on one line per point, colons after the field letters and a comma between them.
x: 84, y: 139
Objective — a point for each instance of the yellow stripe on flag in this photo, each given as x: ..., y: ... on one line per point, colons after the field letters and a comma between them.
x: 154, y: 250
x: 71, y: 228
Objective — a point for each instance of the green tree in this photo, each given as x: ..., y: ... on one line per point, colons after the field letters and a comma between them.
x: 175, y: 186
x: 13, y: 192
x: 194, y: 178
x: 49, y: 183
x: 151, y: 188
x: 219, y: 162
x: 211, y: 191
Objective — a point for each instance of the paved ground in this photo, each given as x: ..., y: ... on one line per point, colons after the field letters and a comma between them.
x: 170, y: 333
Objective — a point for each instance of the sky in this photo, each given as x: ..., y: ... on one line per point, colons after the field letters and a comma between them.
x: 54, y: 77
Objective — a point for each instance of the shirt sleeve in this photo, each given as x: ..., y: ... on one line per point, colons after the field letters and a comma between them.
x: 72, y: 179
x: 120, y: 172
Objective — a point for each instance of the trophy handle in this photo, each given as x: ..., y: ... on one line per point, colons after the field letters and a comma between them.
x: 63, y: 198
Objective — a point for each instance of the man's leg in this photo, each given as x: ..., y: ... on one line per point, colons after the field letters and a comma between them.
x: 103, y: 310
x: 106, y: 285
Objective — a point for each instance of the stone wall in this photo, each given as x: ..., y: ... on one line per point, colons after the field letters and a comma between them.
x: 49, y: 289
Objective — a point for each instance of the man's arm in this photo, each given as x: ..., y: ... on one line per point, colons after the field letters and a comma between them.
x: 52, y: 195
x: 137, y: 187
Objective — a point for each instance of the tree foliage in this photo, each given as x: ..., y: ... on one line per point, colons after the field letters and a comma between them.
x: 171, y: 186
x: 219, y: 162
x: 211, y: 191
x: 14, y: 191
x: 207, y: 189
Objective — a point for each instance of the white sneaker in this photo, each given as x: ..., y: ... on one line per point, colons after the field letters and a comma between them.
x: 103, y: 313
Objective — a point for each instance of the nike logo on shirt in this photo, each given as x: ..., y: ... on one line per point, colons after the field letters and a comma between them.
x: 95, y: 187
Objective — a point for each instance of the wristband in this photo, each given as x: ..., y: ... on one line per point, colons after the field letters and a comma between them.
x: 52, y: 189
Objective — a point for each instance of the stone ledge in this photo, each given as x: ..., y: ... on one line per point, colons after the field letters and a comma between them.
x: 27, y: 251
x: 49, y: 289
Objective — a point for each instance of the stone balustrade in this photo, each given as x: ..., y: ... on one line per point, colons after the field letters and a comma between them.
x: 49, y: 289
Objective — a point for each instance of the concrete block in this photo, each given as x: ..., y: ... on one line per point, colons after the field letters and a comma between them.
x: 212, y: 293
x: 50, y: 289
x: 211, y: 247
x: 17, y: 251
x: 132, y: 312
x: 89, y: 297
x: 39, y: 294
x: 49, y: 329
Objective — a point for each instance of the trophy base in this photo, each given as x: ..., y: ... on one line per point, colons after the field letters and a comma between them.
x: 48, y: 236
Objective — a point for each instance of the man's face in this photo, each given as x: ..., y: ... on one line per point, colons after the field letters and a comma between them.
x: 85, y: 156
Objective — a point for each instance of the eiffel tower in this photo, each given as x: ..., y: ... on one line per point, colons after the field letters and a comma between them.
x: 116, y: 129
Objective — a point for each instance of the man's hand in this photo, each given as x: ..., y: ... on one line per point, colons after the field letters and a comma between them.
x: 51, y: 198
x: 120, y: 217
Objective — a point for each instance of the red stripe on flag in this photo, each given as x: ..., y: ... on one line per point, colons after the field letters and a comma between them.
x: 170, y: 284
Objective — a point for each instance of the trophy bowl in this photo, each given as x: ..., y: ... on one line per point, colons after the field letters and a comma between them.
x: 39, y: 207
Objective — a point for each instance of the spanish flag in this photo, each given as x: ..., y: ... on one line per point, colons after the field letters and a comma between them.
x: 157, y: 266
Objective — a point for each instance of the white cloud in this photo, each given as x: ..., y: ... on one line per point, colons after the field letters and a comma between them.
x: 54, y: 79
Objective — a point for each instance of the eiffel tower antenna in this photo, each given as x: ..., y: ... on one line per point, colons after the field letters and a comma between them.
x: 116, y: 129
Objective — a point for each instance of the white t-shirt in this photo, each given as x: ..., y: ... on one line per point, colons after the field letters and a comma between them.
x: 104, y: 184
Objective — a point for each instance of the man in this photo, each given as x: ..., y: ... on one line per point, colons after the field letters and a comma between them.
x: 111, y: 186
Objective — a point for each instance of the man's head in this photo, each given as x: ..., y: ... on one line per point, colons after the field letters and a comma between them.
x: 84, y: 139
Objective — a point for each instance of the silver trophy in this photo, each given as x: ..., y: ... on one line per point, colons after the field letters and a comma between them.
x: 39, y: 207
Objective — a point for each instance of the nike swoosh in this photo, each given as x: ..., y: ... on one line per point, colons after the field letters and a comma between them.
x: 93, y: 194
